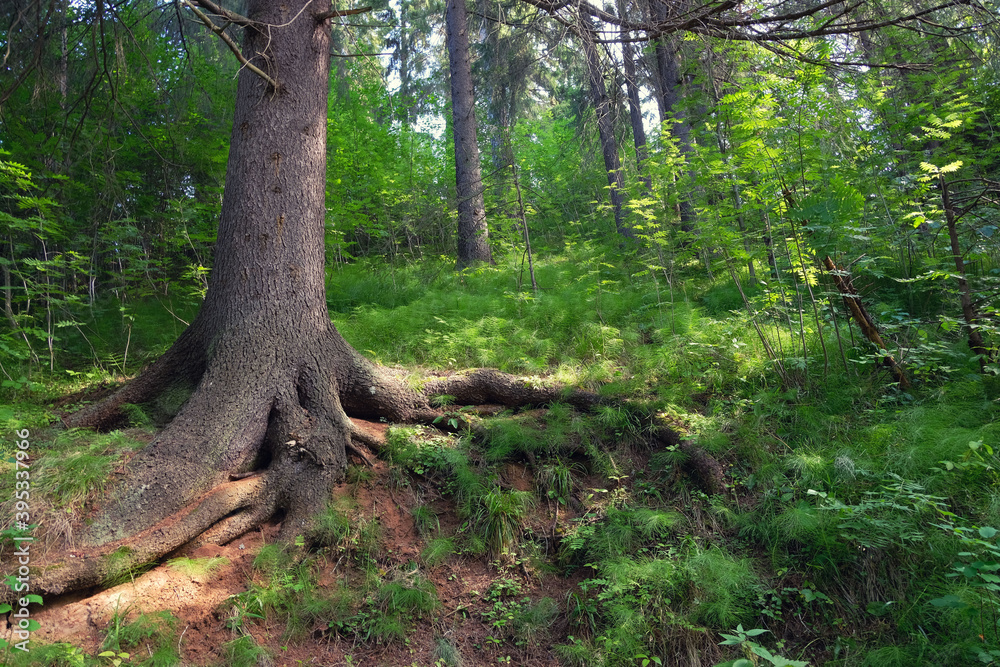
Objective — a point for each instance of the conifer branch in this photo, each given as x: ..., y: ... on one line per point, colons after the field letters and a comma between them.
x: 341, y: 12
x: 239, y: 20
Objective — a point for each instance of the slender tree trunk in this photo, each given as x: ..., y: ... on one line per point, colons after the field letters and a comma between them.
x: 669, y: 90
x: 842, y: 279
x: 605, y: 125
x: 473, y: 233
x: 634, y: 105
x: 969, y: 314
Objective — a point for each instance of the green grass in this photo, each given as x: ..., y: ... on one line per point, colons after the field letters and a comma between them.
x: 425, y: 519
x: 245, y: 650
x: 198, y: 567
x: 438, y: 550
x: 832, y: 529
x: 151, y: 639
x: 499, y: 518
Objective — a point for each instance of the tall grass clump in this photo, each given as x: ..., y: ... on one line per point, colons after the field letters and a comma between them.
x: 499, y: 518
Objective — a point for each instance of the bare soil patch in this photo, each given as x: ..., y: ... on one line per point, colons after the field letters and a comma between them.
x: 199, y: 602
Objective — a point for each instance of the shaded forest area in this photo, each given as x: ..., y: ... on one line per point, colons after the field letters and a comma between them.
x: 525, y: 332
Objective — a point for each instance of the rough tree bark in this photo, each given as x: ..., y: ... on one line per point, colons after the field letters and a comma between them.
x: 473, y: 234
x: 605, y: 124
x: 261, y: 384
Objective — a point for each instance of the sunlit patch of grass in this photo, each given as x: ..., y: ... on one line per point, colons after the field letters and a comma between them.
x: 198, y: 567
x: 451, y: 322
x: 79, y: 463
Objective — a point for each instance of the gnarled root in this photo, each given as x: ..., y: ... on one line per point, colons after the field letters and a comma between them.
x: 76, y: 571
x: 254, y: 440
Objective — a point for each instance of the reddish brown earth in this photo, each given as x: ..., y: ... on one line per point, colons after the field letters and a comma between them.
x: 199, y: 602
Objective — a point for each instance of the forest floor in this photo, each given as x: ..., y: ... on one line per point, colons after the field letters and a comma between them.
x: 199, y: 601
x: 854, y: 525
x: 467, y: 616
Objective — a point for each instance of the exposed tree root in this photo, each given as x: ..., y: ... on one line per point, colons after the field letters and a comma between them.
x: 95, y: 567
x: 234, y: 456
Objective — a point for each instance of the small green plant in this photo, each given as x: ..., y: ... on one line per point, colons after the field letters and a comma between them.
x: 743, y: 639
x: 555, y: 481
x: 331, y: 527
x: 438, y: 550
x: 136, y: 415
x: 407, y: 598
x: 388, y: 612
x: 425, y: 520
x: 113, y: 658
x: 152, y: 639
x: 244, y: 609
x: 446, y: 653
x: 358, y: 475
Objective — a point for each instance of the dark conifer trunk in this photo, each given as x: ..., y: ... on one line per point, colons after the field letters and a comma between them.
x: 669, y: 95
x: 255, y: 383
x: 473, y: 233
x: 605, y: 125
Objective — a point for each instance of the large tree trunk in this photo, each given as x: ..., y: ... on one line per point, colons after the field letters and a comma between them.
x: 261, y: 376
x: 473, y: 234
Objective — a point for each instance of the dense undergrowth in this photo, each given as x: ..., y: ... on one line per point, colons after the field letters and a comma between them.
x: 856, y: 527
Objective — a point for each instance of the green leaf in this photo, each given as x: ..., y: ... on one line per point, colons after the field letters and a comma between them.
x: 987, y: 533
x: 949, y: 602
x: 948, y: 168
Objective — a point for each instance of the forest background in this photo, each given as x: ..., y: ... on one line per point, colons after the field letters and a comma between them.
x: 776, y: 239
